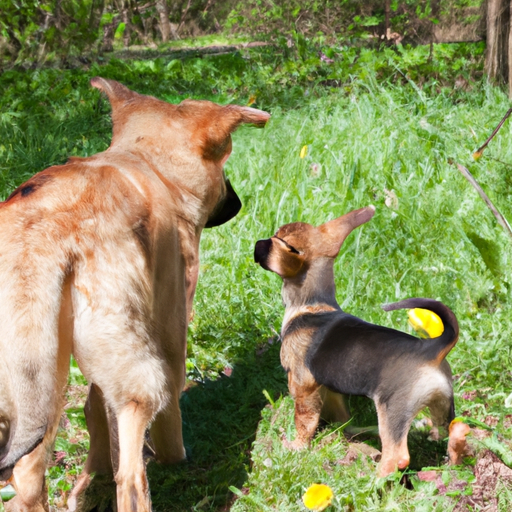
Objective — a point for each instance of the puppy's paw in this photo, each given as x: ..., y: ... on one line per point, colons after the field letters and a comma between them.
x: 296, y: 445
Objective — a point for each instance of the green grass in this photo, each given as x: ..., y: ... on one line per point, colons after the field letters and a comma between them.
x: 377, y: 136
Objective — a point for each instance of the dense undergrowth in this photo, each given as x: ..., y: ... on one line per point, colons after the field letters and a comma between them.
x: 380, y: 128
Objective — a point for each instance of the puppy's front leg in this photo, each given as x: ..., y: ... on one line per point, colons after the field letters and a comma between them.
x: 334, y: 406
x: 308, y: 405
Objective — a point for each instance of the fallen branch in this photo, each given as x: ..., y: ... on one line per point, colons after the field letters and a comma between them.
x: 478, y: 153
x: 182, y: 53
x: 501, y: 220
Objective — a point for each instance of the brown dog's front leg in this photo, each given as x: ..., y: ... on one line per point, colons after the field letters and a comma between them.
x: 308, y: 405
x: 132, y: 484
x: 99, y: 460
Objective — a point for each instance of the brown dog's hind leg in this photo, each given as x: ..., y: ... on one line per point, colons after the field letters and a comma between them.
x: 29, y: 472
x: 166, y: 434
x: 166, y: 429
x: 28, y: 480
x: 99, y: 458
x: 132, y: 484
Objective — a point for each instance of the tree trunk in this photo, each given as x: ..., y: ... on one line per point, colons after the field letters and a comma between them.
x: 498, y: 30
x: 185, y: 12
x: 123, y: 7
x: 510, y: 51
x: 97, y: 8
x: 387, y: 9
x: 165, y: 25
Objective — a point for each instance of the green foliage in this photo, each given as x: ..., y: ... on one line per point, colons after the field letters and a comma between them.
x: 351, y: 20
x: 34, y: 29
x: 38, y: 32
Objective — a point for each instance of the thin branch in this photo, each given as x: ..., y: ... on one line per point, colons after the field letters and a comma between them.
x: 183, y: 17
x: 501, y: 220
x: 479, y: 151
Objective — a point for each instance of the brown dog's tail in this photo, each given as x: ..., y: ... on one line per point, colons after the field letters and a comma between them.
x: 30, y: 343
x: 438, y: 348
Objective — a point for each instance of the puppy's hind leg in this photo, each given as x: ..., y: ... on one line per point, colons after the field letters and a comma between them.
x: 394, y: 425
x: 441, y: 404
x: 29, y: 471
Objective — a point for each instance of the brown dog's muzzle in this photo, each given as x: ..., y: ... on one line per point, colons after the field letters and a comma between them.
x: 261, y: 252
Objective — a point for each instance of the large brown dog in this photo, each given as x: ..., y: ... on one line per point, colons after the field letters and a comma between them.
x: 99, y: 259
x: 328, y: 352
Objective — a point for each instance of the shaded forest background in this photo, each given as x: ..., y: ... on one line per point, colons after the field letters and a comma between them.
x: 38, y: 32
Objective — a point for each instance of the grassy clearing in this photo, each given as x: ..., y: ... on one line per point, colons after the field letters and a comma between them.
x: 378, y: 139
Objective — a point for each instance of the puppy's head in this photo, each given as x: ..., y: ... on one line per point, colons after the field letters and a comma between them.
x: 291, y: 251
x: 189, y: 142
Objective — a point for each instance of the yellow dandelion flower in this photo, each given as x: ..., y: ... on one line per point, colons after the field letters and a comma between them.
x: 426, y: 323
x: 303, y: 151
x: 252, y: 100
x: 318, y: 497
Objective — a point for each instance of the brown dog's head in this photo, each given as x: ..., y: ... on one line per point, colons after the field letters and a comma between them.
x: 294, y: 248
x: 188, y: 144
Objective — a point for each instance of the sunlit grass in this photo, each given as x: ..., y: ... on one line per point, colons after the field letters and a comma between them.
x: 367, y: 143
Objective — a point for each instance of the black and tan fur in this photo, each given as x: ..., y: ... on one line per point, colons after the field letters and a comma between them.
x: 328, y: 352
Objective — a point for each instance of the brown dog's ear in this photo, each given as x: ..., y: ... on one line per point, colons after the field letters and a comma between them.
x: 216, y: 134
x: 235, y: 115
x: 336, y: 231
x: 115, y: 91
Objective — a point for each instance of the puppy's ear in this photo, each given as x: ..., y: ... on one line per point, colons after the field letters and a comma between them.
x: 336, y: 231
x: 283, y: 259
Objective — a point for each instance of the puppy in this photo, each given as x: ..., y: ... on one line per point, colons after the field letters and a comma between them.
x: 326, y: 350
x: 99, y: 259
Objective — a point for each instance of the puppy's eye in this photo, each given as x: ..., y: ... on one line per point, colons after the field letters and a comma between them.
x: 289, y: 247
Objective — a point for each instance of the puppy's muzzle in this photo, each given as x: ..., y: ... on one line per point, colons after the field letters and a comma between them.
x: 261, y: 252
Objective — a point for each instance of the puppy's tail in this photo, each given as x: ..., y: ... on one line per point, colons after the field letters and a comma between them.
x: 437, y: 348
